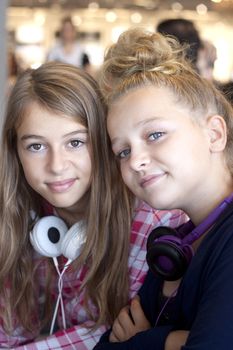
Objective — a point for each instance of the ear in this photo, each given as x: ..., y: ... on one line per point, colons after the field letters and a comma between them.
x: 217, y: 132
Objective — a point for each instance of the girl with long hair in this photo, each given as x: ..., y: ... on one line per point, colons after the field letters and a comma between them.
x: 56, y: 161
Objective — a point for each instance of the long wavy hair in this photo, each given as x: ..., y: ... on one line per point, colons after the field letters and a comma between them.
x: 141, y: 58
x: 71, y: 92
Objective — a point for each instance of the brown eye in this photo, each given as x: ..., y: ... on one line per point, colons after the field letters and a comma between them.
x: 76, y: 143
x: 35, y: 147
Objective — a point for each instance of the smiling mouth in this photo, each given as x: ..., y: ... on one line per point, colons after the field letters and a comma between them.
x: 149, y: 180
x: 61, y: 186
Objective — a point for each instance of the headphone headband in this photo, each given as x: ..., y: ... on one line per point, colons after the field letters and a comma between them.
x: 198, y: 231
x: 170, y: 251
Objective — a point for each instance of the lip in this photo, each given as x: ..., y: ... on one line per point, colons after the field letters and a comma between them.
x: 61, y: 186
x: 150, y: 179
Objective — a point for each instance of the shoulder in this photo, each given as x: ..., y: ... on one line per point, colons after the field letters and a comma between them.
x: 146, y: 218
x: 221, y: 234
x: 214, y: 259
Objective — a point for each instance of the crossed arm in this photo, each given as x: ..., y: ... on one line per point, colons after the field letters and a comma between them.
x: 131, y: 320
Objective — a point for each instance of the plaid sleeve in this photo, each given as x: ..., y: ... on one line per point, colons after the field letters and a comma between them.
x: 144, y: 221
x: 77, y: 337
x: 69, y: 339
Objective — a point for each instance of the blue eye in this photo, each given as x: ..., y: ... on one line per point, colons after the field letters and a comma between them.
x: 156, y: 135
x: 123, y: 154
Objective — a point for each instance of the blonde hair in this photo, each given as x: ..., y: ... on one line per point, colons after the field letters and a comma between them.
x: 69, y: 91
x: 141, y: 58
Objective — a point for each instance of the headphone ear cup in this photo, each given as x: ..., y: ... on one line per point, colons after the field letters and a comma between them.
x: 47, y: 235
x: 165, y: 255
x: 167, y: 260
x: 158, y: 232
x: 73, y: 241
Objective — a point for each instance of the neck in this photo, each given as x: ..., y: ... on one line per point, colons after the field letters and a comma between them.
x: 68, y: 216
x: 200, y: 231
x: 76, y: 213
x: 206, y: 203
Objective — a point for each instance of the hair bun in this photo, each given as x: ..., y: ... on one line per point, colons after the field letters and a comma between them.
x: 139, y: 50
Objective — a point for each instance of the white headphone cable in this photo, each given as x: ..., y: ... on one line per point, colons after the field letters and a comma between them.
x: 59, y: 298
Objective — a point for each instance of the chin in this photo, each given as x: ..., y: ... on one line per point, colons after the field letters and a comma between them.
x: 160, y: 205
x: 61, y: 204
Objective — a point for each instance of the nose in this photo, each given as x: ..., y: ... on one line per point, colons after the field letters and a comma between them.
x: 57, y: 161
x: 139, y: 159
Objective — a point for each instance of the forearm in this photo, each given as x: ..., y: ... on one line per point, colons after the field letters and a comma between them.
x: 176, y: 339
x: 152, y: 339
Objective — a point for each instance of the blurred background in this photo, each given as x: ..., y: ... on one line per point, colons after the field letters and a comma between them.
x: 33, y: 26
x: 34, y: 31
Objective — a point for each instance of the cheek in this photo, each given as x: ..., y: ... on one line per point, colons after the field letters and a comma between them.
x: 29, y: 173
x: 29, y: 169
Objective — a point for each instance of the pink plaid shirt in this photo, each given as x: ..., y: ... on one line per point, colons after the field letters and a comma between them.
x: 76, y: 335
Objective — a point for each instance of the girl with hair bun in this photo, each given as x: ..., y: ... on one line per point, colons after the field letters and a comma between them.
x: 172, y: 134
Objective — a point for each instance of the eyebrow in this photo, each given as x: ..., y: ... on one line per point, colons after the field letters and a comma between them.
x: 149, y: 120
x: 38, y: 137
x: 141, y: 122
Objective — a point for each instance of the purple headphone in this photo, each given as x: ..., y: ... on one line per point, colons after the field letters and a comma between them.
x: 169, y: 251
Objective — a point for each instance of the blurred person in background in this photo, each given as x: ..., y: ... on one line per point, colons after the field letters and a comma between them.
x: 207, y: 55
x: 201, y: 53
x: 185, y: 32
x: 68, y: 49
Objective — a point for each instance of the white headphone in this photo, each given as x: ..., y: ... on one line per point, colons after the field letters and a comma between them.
x: 50, y: 237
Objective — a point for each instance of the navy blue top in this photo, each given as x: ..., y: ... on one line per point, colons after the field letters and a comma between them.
x: 203, y: 304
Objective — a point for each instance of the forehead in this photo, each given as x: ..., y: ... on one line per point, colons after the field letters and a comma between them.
x: 38, y: 113
x: 142, y: 99
x: 139, y: 108
x: 37, y: 119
